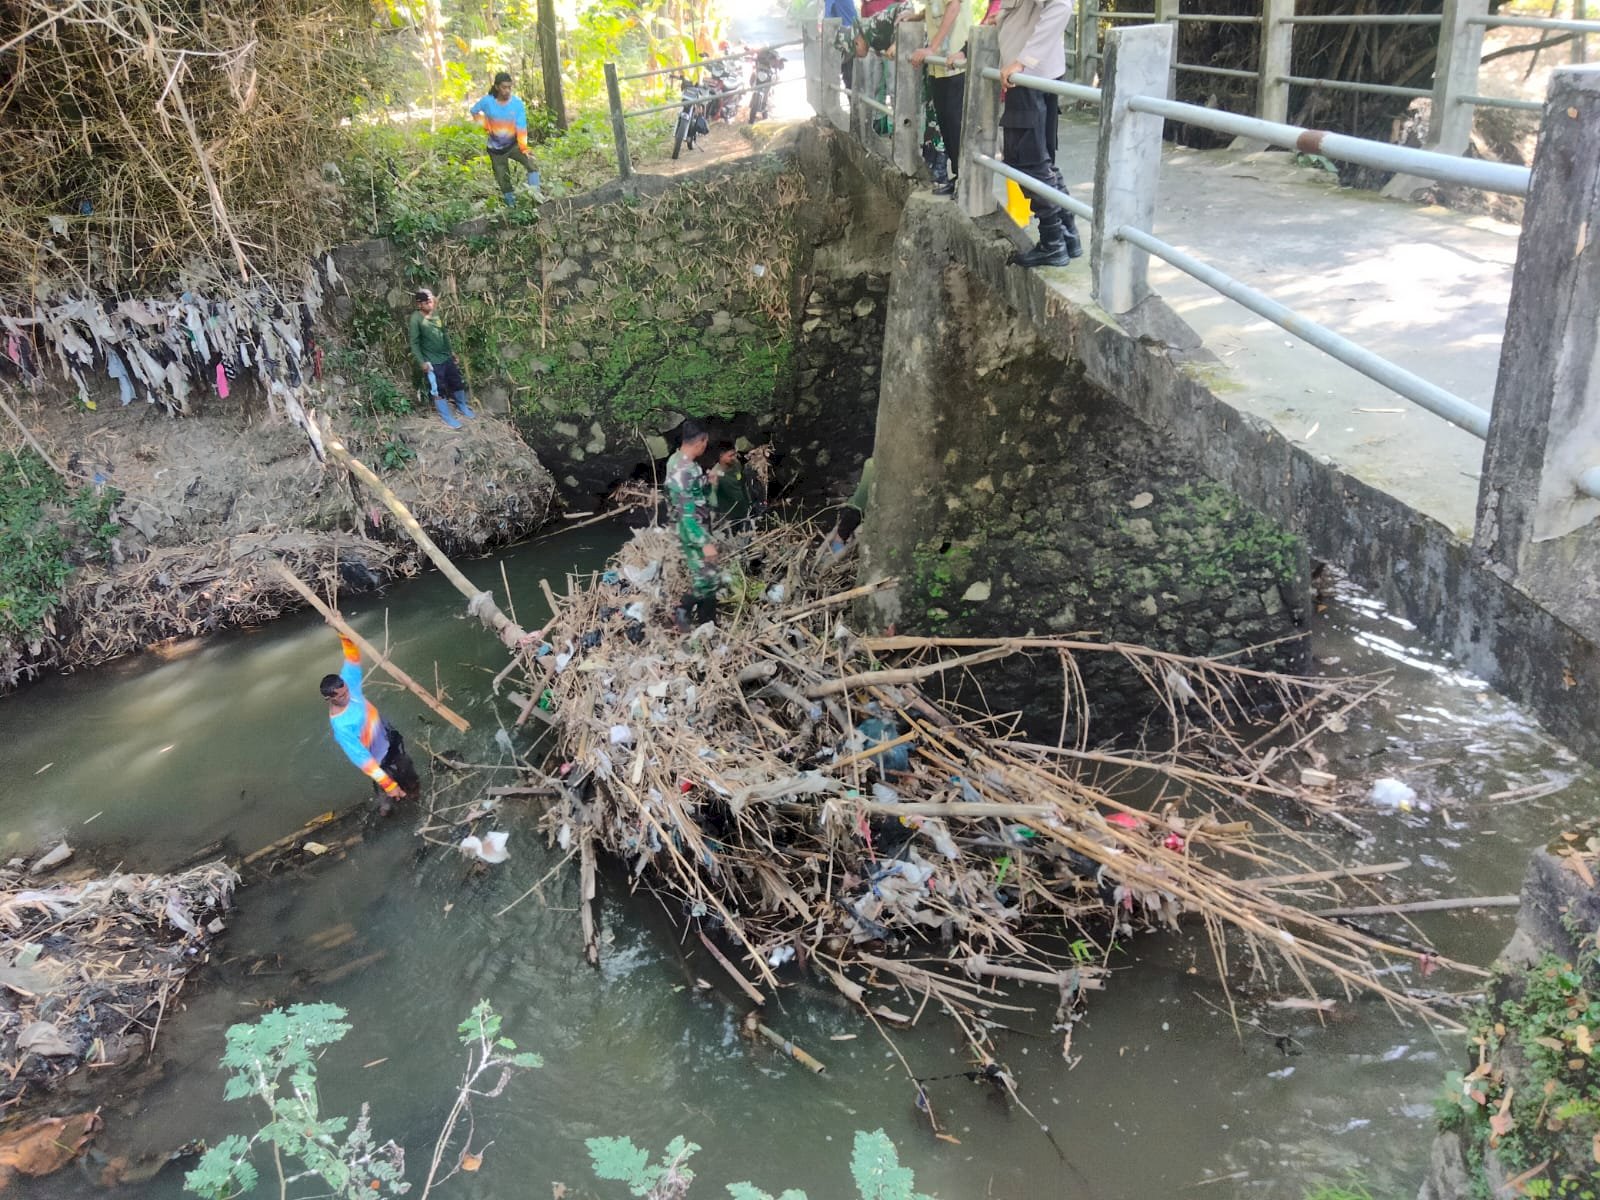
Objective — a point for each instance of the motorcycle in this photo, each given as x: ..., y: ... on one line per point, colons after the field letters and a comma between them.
x: 692, y: 117
x: 763, y: 75
x: 720, y: 78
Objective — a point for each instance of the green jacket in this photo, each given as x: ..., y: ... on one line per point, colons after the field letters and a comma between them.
x: 429, y: 342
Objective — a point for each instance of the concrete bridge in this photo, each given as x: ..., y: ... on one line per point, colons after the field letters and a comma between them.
x: 1445, y: 457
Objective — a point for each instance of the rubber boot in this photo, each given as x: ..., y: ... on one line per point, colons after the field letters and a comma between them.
x: 1052, y: 248
x: 510, y: 198
x: 533, y: 186
x: 445, y: 414
x: 681, y: 615
x: 705, y: 610
x: 463, y: 407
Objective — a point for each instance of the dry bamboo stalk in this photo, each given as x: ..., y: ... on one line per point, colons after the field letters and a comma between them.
x: 479, y: 603
x: 379, y: 661
x: 1411, y: 906
x: 871, y: 679
x: 789, y: 1048
x: 745, y: 985
x: 1273, y: 881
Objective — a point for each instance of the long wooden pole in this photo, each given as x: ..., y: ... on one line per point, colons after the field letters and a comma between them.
x: 371, y: 651
x: 479, y: 603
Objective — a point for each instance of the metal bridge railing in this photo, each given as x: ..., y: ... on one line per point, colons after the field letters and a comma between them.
x: 1454, y: 90
x: 620, y: 116
x: 1133, y: 107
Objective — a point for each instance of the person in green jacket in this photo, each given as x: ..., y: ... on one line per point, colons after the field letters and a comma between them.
x: 854, y: 509
x: 730, y: 490
x: 430, y: 346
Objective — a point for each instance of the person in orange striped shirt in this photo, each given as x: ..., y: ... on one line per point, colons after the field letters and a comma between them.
x: 504, y: 118
x: 368, y: 741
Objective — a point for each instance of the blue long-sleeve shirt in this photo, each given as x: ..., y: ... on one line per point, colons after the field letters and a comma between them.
x: 845, y: 10
x: 357, y: 728
x: 505, y: 122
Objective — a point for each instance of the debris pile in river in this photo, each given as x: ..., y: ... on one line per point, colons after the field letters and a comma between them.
x: 89, y: 967
x: 808, y: 794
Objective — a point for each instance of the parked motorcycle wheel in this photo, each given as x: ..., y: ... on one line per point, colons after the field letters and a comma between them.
x: 677, y: 137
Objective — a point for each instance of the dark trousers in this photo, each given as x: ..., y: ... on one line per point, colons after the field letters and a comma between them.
x: 397, y: 763
x: 501, y: 160
x: 948, y: 96
x: 1028, y: 142
x: 447, y: 377
x: 847, y: 68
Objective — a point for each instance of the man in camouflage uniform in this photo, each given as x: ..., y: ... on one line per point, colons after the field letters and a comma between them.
x: 689, y: 510
x: 877, y: 33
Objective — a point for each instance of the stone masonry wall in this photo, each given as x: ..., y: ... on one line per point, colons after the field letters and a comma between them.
x: 1014, y: 496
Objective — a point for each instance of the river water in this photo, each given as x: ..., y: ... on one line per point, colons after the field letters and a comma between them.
x: 151, y: 758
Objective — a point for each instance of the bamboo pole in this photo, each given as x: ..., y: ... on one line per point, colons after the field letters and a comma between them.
x: 371, y: 651
x: 784, y: 1044
x: 868, y: 679
x: 479, y: 603
x: 1378, y: 910
x: 749, y: 988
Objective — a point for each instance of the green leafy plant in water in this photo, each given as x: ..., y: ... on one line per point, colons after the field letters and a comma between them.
x: 874, y: 1165
x: 274, y: 1061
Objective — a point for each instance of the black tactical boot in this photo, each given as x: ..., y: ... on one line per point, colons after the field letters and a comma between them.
x: 1069, y: 231
x: 1052, y: 249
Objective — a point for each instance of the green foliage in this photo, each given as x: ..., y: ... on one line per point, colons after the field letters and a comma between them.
x: 619, y: 1159
x: 874, y: 1165
x: 42, y: 520
x: 394, y: 454
x: 274, y: 1061
x: 1550, y: 1108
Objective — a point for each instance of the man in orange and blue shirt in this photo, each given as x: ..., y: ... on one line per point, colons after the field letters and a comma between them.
x: 367, y: 740
x: 504, y: 118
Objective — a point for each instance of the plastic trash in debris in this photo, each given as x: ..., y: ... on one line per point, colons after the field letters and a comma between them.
x: 44, y: 1039
x: 621, y: 735
x: 637, y: 611
x: 780, y: 956
x: 547, y: 700
x: 968, y: 792
x: 1392, y: 794
x: 54, y: 858
x: 1124, y: 819
x: 503, y: 740
x: 491, y: 848
x: 640, y: 577
x: 884, y: 794
x: 874, y: 732
x: 933, y: 829
x: 776, y: 593
x: 610, y: 577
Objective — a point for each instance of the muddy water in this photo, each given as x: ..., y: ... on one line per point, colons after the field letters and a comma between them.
x: 151, y: 759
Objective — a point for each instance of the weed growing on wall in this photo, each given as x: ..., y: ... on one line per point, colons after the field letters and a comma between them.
x: 41, y: 519
x: 1534, y: 1097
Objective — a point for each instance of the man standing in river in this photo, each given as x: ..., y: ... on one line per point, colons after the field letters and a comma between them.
x: 367, y: 740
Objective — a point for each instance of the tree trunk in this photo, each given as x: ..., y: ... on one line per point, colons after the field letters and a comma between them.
x: 550, y: 63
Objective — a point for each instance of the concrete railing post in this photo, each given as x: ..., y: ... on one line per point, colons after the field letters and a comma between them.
x: 1455, y: 74
x: 1086, y: 23
x: 828, y: 74
x: 1128, y: 165
x: 906, y: 147
x: 1277, y: 52
x: 1167, y: 14
x: 1534, y: 526
x: 980, y: 122
x: 619, y: 125
x: 811, y: 53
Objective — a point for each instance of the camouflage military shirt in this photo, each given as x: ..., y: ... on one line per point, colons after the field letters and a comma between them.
x: 686, y: 490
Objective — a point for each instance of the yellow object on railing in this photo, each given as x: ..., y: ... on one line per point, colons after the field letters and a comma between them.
x: 1017, y: 206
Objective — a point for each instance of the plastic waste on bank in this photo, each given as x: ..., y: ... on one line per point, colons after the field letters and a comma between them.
x: 503, y: 740
x: 1392, y: 794
x: 640, y: 577
x: 884, y: 794
x: 780, y: 956
x: 621, y: 735
x: 491, y: 848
